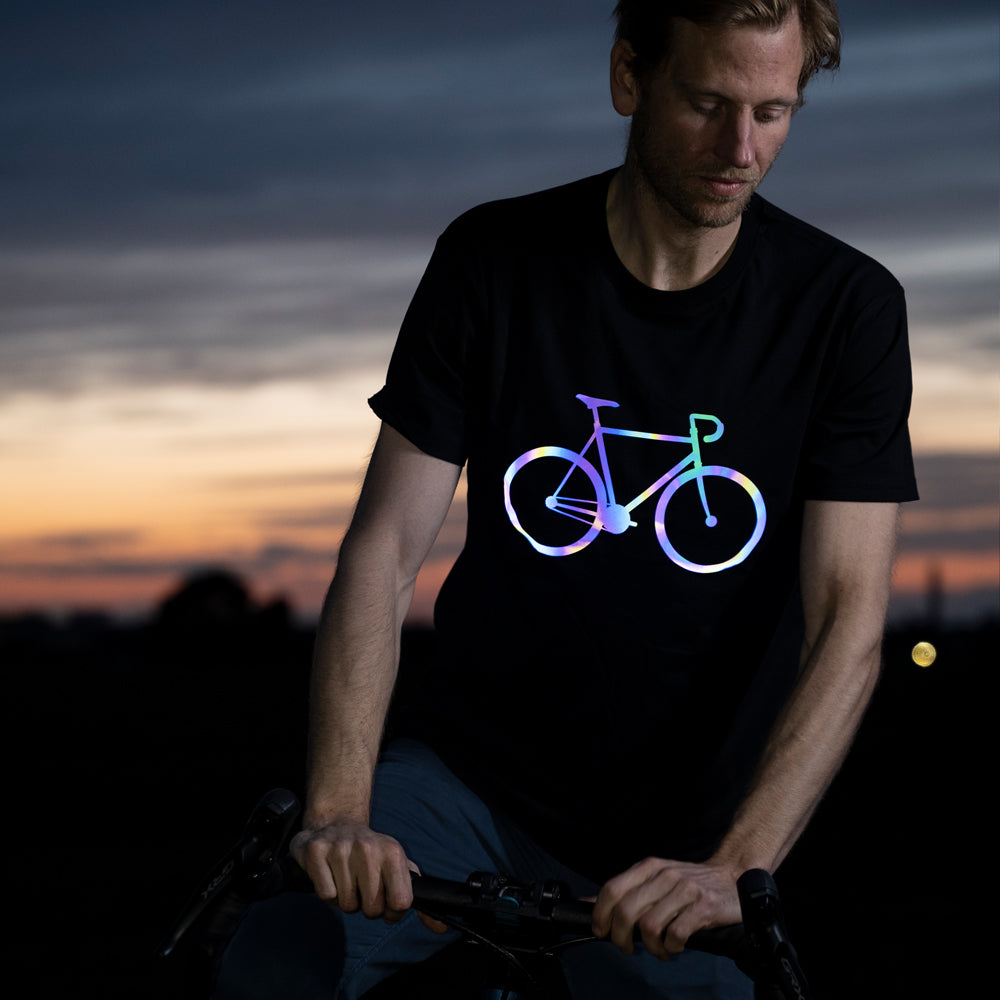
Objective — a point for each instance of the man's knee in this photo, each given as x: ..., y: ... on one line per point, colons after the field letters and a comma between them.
x: 291, y: 946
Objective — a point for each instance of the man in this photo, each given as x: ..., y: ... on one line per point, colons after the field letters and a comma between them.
x: 646, y: 708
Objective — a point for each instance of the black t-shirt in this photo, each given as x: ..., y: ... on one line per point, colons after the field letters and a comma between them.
x: 623, y: 623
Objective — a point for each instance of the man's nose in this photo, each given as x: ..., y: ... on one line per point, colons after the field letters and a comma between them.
x: 735, y: 140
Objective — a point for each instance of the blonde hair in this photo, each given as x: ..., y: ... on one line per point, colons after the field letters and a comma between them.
x: 646, y: 25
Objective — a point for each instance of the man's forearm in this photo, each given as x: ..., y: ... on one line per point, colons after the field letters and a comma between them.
x: 354, y: 670
x: 404, y: 501
x: 847, y: 552
x: 807, y: 746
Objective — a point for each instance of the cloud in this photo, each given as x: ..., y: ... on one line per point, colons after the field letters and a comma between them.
x: 952, y: 481
x: 268, y: 481
x: 863, y: 157
x: 179, y: 127
x: 180, y: 123
x: 210, y: 197
x: 327, y: 518
x: 99, y: 567
x: 173, y: 120
x: 190, y: 200
x: 87, y: 541
x: 258, y: 562
x: 957, y: 510
x: 213, y: 315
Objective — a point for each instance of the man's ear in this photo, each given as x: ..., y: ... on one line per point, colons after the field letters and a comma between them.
x: 624, y: 83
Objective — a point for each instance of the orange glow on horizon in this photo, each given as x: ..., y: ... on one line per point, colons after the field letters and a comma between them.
x: 956, y: 571
x: 111, y: 498
x: 304, y: 586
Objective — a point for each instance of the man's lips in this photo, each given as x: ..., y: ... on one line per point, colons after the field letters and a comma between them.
x: 724, y: 186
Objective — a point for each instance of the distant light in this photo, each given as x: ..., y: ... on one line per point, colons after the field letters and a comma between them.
x: 924, y: 654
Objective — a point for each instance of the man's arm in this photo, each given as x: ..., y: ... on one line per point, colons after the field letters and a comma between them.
x: 403, y: 503
x: 846, y: 569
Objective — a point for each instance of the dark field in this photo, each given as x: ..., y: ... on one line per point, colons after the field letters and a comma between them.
x: 138, y: 753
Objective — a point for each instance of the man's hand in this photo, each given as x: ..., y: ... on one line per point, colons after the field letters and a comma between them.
x: 668, y: 901
x: 354, y: 868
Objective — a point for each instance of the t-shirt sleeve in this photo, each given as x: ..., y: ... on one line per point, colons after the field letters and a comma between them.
x: 425, y: 393
x: 858, y: 443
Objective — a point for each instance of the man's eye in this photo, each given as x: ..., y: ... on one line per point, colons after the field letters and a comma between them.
x: 705, y: 109
x: 770, y: 114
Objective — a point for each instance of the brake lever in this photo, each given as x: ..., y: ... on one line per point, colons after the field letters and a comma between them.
x: 252, y: 858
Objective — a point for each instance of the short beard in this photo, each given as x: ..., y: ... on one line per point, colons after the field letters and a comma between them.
x: 667, y: 188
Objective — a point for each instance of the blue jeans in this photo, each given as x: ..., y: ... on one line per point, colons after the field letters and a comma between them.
x: 295, y: 947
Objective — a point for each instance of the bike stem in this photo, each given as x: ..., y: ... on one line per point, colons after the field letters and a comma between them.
x: 710, y: 519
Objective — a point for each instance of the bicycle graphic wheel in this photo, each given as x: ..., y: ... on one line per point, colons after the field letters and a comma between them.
x: 554, y: 497
x: 735, y: 512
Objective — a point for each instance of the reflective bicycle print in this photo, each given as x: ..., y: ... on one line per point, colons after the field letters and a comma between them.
x: 584, y: 495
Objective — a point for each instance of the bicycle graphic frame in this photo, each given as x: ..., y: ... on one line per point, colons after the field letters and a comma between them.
x: 603, y: 512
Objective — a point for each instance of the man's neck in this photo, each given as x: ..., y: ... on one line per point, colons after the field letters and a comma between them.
x: 658, y: 247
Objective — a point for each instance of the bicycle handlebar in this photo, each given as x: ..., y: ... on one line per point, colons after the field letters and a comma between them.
x: 712, y: 435
x: 765, y: 932
x: 253, y: 869
x: 251, y: 860
x: 489, y: 901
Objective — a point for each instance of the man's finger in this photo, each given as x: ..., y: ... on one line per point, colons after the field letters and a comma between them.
x: 397, y: 882
x: 432, y: 923
x: 311, y: 857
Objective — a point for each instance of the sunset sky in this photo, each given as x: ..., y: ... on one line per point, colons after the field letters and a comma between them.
x: 214, y: 214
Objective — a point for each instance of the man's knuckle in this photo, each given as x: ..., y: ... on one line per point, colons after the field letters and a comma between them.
x: 613, y: 885
x: 399, y: 898
x: 334, y: 845
x: 327, y: 895
x: 314, y: 849
x: 348, y: 901
x: 362, y: 849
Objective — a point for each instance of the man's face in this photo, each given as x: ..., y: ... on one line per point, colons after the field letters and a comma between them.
x: 708, y: 124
